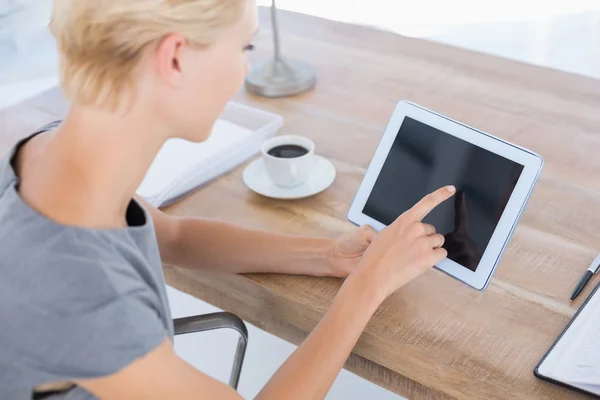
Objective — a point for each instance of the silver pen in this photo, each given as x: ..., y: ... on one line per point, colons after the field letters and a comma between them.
x: 591, y: 271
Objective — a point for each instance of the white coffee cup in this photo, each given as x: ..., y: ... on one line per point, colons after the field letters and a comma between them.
x: 289, y: 172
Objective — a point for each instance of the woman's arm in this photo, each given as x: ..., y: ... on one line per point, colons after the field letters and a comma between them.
x: 216, y: 245
x: 312, y: 368
x: 220, y: 246
x: 399, y: 254
x: 306, y: 375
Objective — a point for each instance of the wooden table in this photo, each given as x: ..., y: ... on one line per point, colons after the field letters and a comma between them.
x: 435, y: 338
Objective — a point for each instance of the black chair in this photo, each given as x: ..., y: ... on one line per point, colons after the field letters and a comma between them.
x: 220, y: 320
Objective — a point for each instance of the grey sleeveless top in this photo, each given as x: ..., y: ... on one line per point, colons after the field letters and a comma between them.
x: 75, y: 303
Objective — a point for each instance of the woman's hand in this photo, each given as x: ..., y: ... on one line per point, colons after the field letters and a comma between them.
x: 347, y: 251
x: 405, y: 249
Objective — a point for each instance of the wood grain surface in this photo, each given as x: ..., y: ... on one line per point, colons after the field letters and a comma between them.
x: 435, y: 338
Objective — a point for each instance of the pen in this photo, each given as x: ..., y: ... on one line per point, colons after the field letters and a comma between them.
x: 593, y: 269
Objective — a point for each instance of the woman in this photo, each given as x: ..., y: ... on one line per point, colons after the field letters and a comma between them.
x: 81, y: 259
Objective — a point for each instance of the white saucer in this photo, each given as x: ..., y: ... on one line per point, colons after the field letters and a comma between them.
x: 256, y: 178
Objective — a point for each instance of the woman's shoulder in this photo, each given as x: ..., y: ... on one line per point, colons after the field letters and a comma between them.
x: 65, y: 260
x: 8, y: 176
x: 52, y: 265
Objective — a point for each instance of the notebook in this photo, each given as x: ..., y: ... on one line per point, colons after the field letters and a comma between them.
x: 574, y: 359
x: 181, y: 166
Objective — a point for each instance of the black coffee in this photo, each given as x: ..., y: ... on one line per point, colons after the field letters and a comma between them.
x: 287, y: 151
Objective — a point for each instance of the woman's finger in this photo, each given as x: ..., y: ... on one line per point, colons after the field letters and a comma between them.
x: 429, y: 202
x: 436, y: 241
x: 438, y: 256
x: 429, y: 229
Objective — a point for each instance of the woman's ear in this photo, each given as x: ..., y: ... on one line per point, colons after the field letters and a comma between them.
x: 169, y: 59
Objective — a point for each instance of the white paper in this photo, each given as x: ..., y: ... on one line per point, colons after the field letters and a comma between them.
x: 567, y: 360
x: 179, y: 159
x: 584, y: 365
x: 206, y: 172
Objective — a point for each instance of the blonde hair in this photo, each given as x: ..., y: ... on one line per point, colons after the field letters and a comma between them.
x: 101, y: 42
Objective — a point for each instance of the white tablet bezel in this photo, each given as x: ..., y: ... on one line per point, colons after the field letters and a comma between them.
x: 532, y: 163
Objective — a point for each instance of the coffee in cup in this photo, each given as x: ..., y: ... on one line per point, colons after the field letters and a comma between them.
x: 288, y: 151
x: 289, y: 160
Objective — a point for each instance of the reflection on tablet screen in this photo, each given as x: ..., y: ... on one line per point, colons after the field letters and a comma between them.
x: 423, y: 159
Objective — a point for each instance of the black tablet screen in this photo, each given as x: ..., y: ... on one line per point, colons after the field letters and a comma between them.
x: 423, y: 159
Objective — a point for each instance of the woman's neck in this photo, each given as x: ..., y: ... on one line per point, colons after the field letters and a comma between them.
x: 86, y: 172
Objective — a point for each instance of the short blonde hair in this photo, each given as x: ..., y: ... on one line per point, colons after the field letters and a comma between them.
x: 101, y: 42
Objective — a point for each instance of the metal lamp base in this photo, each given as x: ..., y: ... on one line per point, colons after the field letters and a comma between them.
x: 281, y: 78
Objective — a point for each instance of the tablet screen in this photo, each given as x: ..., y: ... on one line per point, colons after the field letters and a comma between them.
x: 423, y: 159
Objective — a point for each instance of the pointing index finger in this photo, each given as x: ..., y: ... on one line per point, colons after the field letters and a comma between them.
x: 431, y: 201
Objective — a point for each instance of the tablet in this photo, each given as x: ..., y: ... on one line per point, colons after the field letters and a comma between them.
x: 421, y: 151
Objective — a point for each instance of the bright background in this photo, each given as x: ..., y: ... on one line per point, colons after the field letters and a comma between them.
x: 563, y: 35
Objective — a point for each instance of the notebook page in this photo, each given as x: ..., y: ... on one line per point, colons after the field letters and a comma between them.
x: 178, y: 157
x: 585, y: 363
x: 588, y: 388
x: 554, y: 366
x: 227, y: 161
